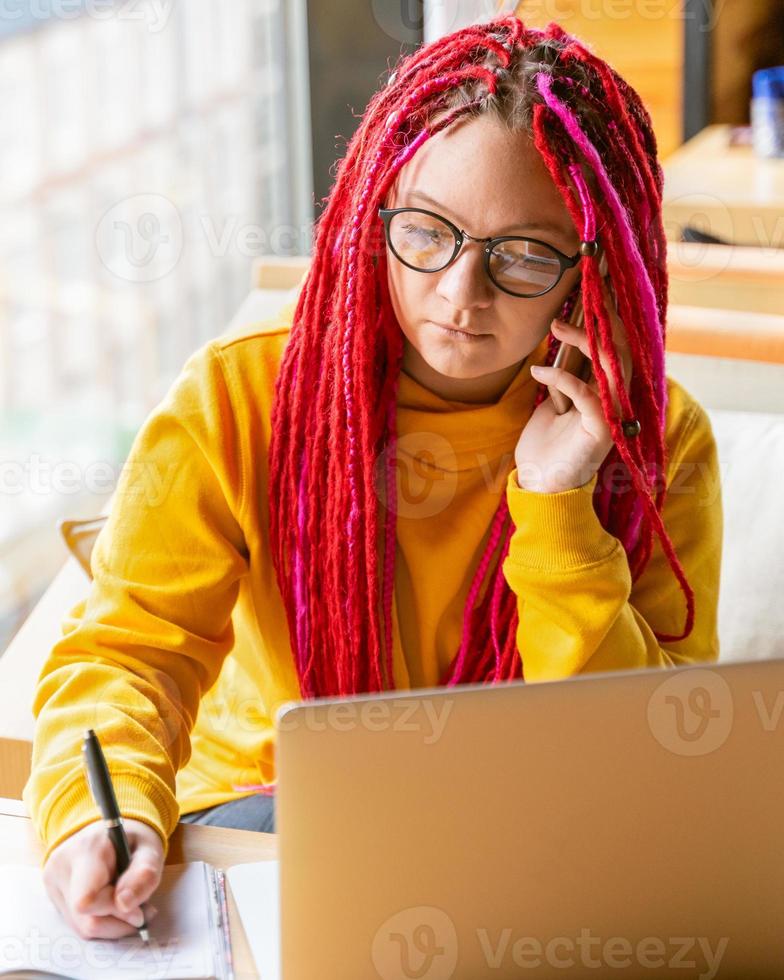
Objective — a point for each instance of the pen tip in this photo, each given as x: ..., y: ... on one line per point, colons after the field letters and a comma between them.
x: 143, y: 932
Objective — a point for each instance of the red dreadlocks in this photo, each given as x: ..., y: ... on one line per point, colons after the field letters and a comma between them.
x: 333, y: 428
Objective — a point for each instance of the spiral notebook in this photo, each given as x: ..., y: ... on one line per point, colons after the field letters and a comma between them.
x: 189, y: 937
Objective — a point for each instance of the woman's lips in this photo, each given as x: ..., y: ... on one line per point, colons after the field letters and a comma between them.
x: 459, y: 334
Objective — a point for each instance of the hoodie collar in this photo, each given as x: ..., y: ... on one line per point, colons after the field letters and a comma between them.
x: 456, y: 435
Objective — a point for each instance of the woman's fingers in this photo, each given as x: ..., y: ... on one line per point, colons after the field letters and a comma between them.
x: 576, y: 337
x: 89, y: 924
x: 88, y: 878
x: 101, y: 927
x: 580, y: 392
x: 141, y: 878
x: 79, y: 876
x: 104, y: 903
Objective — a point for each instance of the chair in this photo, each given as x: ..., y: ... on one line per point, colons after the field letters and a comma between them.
x: 79, y: 537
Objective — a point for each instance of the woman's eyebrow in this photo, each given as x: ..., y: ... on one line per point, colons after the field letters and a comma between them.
x: 551, y: 226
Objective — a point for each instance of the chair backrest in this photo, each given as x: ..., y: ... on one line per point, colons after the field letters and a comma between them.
x: 279, y: 272
x: 79, y: 537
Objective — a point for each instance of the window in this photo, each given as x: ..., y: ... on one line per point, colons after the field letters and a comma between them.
x: 138, y: 144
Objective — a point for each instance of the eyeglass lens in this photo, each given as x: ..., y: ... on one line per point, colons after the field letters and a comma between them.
x: 426, y: 243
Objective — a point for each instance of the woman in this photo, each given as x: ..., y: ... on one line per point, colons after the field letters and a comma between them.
x: 390, y: 437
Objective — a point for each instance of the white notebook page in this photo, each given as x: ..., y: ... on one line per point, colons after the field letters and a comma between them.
x: 34, y: 936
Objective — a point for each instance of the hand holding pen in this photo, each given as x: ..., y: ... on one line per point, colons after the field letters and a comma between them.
x: 103, y: 793
x: 80, y: 872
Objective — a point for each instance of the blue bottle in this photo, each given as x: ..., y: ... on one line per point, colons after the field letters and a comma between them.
x: 767, y: 111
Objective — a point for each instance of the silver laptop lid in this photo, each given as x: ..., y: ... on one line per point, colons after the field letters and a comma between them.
x: 627, y: 822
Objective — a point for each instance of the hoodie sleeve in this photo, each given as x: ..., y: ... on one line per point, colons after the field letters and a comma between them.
x: 137, y: 655
x: 577, y: 607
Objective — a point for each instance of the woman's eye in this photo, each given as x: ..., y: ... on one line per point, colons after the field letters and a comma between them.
x: 431, y: 234
x: 527, y: 261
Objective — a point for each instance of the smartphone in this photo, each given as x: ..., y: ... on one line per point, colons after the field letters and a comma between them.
x: 570, y: 358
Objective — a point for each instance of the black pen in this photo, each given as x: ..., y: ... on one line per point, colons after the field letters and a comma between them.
x: 103, y: 793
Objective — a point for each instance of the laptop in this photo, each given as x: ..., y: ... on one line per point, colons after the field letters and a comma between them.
x: 620, y: 823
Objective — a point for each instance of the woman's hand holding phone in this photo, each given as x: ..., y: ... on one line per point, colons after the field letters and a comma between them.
x: 567, y: 437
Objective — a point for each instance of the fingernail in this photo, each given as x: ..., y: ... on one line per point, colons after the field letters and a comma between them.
x: 536, y: 372
x: 136, y: 918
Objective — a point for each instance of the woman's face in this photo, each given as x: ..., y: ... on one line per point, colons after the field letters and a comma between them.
x: 488, y: 182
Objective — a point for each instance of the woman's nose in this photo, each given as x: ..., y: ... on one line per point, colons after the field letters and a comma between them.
x: 465, y: 283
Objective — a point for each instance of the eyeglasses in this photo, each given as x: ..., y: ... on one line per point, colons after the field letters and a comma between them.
x: 427, y: 242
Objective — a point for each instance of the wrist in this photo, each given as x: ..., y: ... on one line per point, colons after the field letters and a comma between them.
x: 535, y: 479
x: 556, y: 531
x: 138, y: 798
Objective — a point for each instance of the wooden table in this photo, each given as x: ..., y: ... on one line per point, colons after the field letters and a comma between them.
x: 189, y: 842
x: 20, y: 666
x: 724, y: 190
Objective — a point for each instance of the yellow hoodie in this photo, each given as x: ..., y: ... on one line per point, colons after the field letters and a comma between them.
x: 180, y: 655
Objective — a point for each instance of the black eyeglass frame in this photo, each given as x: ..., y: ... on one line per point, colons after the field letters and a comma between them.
x: 565, y: 261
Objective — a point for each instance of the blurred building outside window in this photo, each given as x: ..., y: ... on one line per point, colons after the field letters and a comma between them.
x: 149, y: 151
